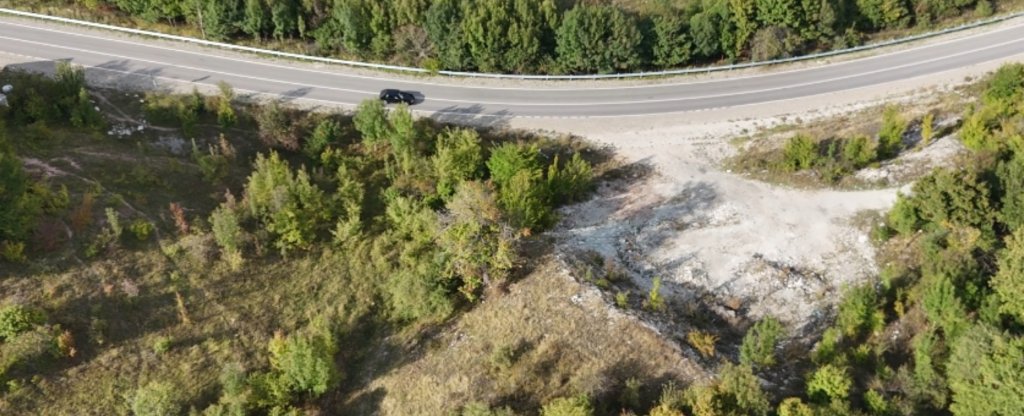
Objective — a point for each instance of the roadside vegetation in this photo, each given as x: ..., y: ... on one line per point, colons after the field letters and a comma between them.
x: 535, y: 36
x: 239, y: 258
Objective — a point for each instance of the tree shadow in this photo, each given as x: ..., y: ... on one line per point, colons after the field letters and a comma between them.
x: 473, y: 115
x: 292, y: 95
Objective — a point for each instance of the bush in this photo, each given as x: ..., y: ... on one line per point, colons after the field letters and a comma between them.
x: 157, y: 399
x: 141, y: 229
x: 799, y: 153
x: 571, y: 182
x: 15, y: 319
x: 927, y: 128
x: 1009, y: 279
x: 858, y: 152
x: 903, y: 216
x: 12, y: 251
x: 225, y: 112
x: 304, y: 364
x: 703, y: 342
x: 276, y: 128
x: 829, y: 383
x: 758, y: 348
x: 371, y: 122
x: 162, y: 345
x: 655, y: 301
x: 890, y: 137
x: 1006, y: 84
x: 226, y: 229
x: 568, y: 406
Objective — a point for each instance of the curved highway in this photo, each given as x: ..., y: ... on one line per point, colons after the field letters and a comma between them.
x: 187, y: 63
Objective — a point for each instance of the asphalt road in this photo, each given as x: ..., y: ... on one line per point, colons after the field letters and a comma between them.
x: 186, y: 63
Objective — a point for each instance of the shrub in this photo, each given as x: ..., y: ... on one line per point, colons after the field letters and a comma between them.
x: 758, y: 348
x: 858, y: 151
x: 829, y: 383
x: 482, y: 409
x: 655, y: 301
x: 304, y: 364
x: 114, y: 223
x: 568, y: 406
x: 983, y: 9
x: 703, y: 342
x: 903, y: 216
x: 799, y: 153
x: 276, y: 128
x: 15, y: 319
x: 157, y: 399
x: 225, y: 112
x: 12, y: 251
x: 162, y: 345
x: 890, y: 137
x: 1006, y: 84
x: 927, y: 128
x: 571, y: 182
x: 226, y: 229
x: 141, y: 229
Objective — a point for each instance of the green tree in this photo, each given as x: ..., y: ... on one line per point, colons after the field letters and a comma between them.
x: 443, y: 25
x: 326, y: 133
x: 287, y: 203
x: 799, y: 153
x: 371, y: 122
x: 304, y: 363
x: 758, y: 347
x: 986, y: 373
x: 829, y: 383
x: 15, y: 319
x: 598, y: 39
x: 672, y: 44
x: 459, y: 158
x: 479, y: 245
x: 18, y: 208
x: 256, y: 20
x: 284, y: 17
x: 1008, y: 281
x: 220, y: 19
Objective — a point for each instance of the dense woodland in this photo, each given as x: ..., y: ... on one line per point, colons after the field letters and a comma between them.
x: 542, y: 36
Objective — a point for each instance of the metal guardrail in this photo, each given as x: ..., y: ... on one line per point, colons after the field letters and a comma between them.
x: 359, y: 64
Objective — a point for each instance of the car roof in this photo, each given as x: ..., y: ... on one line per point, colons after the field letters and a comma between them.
x: 389, y: 91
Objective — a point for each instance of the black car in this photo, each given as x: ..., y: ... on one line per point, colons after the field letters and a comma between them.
x: 391, y: 96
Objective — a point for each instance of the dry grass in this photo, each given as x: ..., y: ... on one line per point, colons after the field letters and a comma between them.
x: 548, y: 337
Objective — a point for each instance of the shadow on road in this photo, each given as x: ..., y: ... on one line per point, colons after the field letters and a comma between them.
x: 473, y: 115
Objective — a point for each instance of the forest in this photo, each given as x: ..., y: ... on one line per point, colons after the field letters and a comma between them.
x: 534, y: 36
